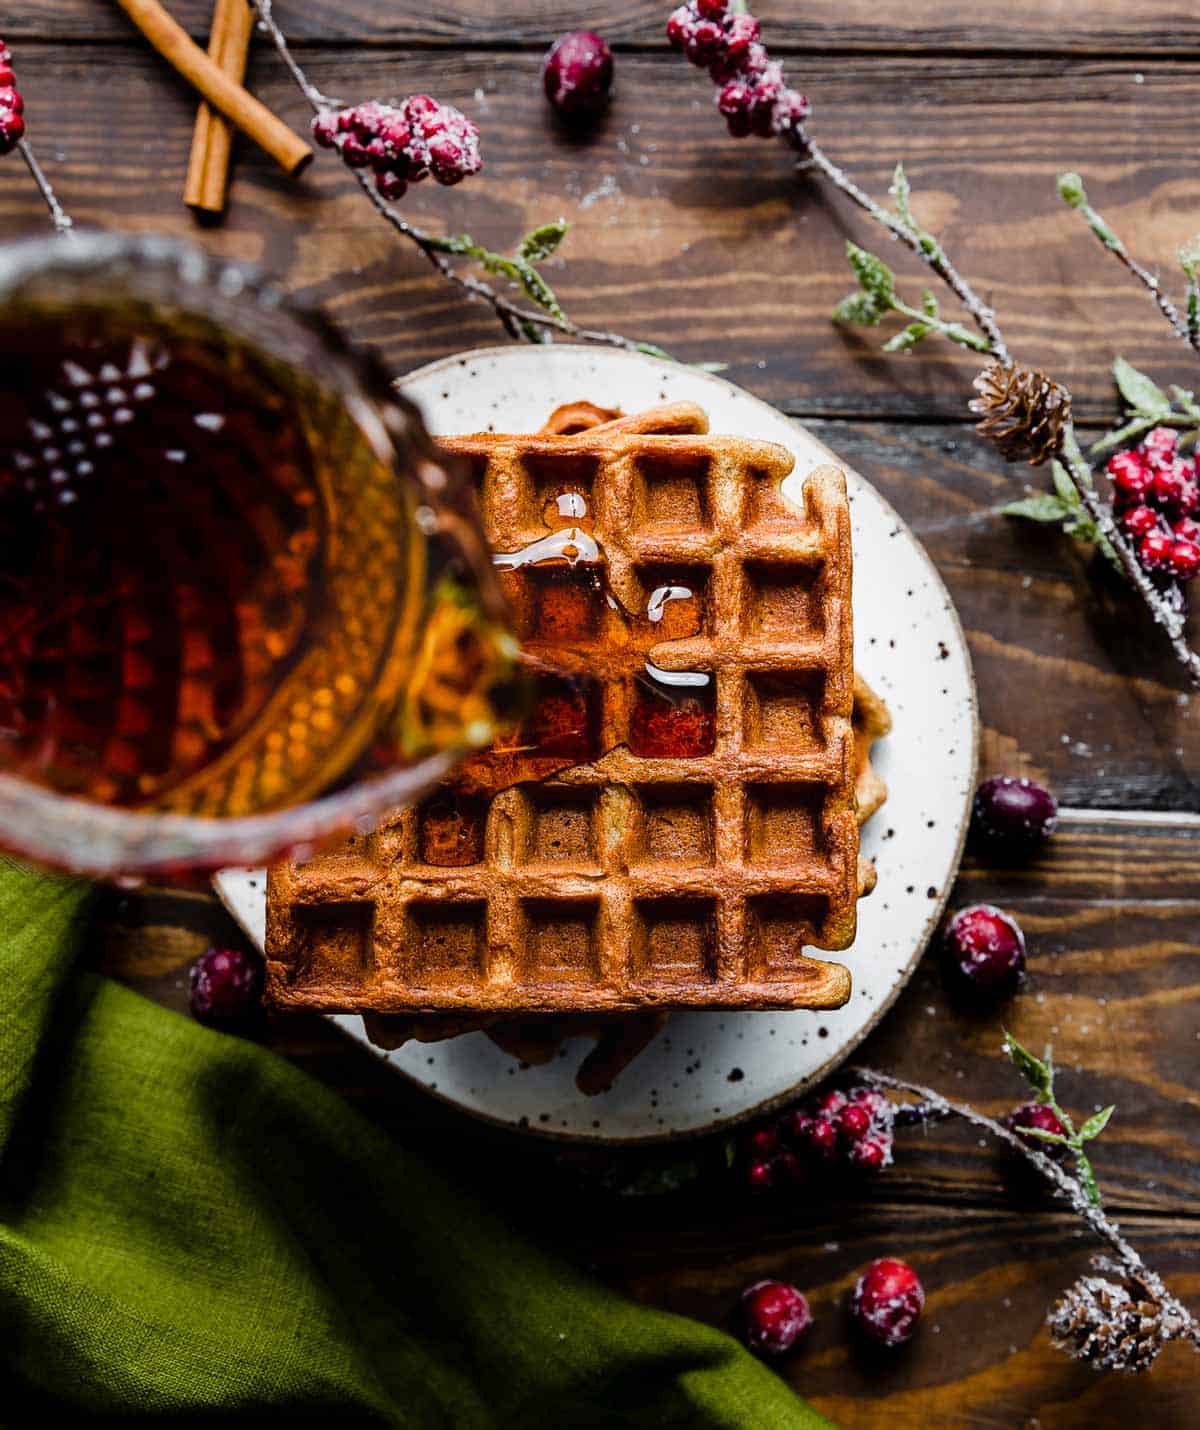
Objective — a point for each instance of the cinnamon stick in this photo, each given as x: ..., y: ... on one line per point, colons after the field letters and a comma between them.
x: 288, y: 150
x: 212, y: 138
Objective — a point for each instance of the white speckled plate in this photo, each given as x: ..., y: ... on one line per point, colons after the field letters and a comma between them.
x: 706, y: 1069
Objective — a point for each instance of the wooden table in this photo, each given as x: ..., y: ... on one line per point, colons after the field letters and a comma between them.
x: 711, y: 247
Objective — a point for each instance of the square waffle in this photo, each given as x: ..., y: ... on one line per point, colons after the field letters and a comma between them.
x: 619, y: 875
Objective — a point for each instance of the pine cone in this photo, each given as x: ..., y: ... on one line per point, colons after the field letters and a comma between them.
x: 1022, y: 411
x: 1099, y: 1322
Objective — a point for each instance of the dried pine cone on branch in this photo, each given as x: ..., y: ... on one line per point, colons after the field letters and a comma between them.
x: 1099, y: 1322
x: 1022, y: 411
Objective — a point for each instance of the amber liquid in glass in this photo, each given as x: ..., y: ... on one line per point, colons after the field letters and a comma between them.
x: 211, y: 583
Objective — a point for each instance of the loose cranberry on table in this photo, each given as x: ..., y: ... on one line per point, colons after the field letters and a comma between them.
x: 577, y: 74
x: 1013, y: 815
x: 888, y: 1301
x: 774, y: 1316
x: 225, y: 986
x: 985, y: 951
x: 1044, y: 1119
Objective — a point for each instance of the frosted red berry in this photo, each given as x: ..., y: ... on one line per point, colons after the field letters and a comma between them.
x: 985, y: 951
x: 1187, y: 528
x: 871, y: 1154
x: 774, y: 1316
x: 759, y: 1176
x: 12, y: 105
x: 577, y: 75
x: 1044, y: 1119
x: 1139, y: 521
x: 854, y: 1123
x: 404, y: 143
x: 1160, y: 444
x: 1130, y: 475
x: 887, y: 1302
x: 762, y: 1142
x: 1154, y: 551
x: 1012, y: 814
x: 225, y: 986
x: 1173, y: 489
x: 711, y: 9
x: 1184, y: 561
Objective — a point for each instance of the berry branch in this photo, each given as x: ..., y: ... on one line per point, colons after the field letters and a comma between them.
x: 12, y: 136
x: 386, y: 147
x: 1095, y: 1320
x: 1023, y: 412
x: 1074, y: 195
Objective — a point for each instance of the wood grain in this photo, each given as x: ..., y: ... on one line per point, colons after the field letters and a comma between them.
x: 712, y: 248
x: 1143, y: 27
x: 705, y: 244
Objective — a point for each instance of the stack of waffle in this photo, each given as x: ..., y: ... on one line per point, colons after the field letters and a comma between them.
x: 676, y: 821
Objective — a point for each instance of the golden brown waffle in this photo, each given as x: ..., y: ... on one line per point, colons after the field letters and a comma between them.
x: 624, y: 881
x: 620, y: 1037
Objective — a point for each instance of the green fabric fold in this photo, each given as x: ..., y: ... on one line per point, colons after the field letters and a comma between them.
x: 192, y: 1228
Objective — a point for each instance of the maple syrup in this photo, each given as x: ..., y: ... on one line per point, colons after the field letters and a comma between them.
x: 593, y: 683
x: 215, y: 589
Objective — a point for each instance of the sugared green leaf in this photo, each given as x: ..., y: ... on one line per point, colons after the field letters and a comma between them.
x: 907, y: 338
x: 1121, y: 435
x: 929, y: 304
x: 1096, y: 1124
x: 1043, y: 507
x: 1039, y: 1075
x: 1142, y: 395
x: 543, y: 240
x: 1043, y: 1136
x: 873, y: 274
x: 858, y: 308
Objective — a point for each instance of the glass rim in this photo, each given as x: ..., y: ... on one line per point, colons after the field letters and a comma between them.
x: 86, y: 837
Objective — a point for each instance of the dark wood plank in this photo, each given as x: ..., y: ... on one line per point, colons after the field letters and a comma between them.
x: 1110, y: 914
x: 683, y: 235
x: 1144, y: 27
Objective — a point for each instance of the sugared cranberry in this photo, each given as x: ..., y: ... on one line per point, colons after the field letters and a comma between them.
x: 1131, y: 476
x: 703, y: 42
x: 1187, y: 528
x: 854, y: 1123
x: 1154, y: 551
x: 711, y: 9
x: 391, y: 187
x: 735, y: 102
x: 888, y: 1301
x: 985, y: 950
x: 759, y: 1176
x: 871, y: 1154
x: 11, y: 98
x: 1013, y: 814
x: 1044, y: 1119
x: 822, y: 1136
x: 1185, y: 560
x: 1173, y: 489
x: 325, y: 128
x: 1140, y: 521
x: 225, y: 986
x: 577, y: 75
x: 762, y: 1142
x: 774, y: 1316
x: 1159, y: 444
x: 12, y: 130
x: 679, y: 24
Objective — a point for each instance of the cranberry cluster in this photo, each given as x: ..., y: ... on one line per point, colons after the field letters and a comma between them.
x: 754, y: 98
x: 403, y: 143
x: 12, y: 106
x: 852, y: 1129
x: 1157, y: 495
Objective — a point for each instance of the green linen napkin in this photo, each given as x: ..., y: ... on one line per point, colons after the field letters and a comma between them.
x: 191, y: 1226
